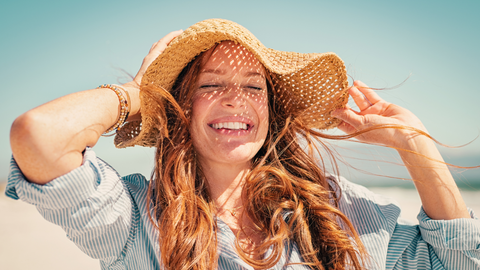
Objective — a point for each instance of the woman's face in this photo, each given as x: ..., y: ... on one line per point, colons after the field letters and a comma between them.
x: 229, y: 121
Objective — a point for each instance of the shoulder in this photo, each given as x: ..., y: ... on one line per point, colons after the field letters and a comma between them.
x: 350, y: 190
x: 137, y: 185
x: 364, y: 207
x: 135, y: 182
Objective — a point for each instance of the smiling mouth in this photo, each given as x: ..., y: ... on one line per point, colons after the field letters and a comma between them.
x: 231, y: 126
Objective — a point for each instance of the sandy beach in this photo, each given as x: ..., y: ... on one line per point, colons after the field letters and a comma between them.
x: 30, y: 242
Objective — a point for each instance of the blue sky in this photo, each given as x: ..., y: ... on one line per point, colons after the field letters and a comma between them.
x: 52, y: 48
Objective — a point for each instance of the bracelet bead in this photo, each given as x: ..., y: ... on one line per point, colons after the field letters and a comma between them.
x: 124, y: 108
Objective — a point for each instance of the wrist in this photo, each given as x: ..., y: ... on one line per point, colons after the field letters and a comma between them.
x: 412, y: 138
x: 134, y: 93
x: 420, y: 149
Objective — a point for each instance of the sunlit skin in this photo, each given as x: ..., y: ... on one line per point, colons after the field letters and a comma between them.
x: 49, y: 140
x: 231, y: 90
x: 229, y: 122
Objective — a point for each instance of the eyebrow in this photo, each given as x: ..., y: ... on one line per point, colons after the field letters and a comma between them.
x: 214, y: 71
x: 221, y: 72
x: 253, y: 73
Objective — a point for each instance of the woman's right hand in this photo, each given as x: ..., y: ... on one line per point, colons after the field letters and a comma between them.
x: 48, y: 141
x: 156, y: 49
x: 133, y: 87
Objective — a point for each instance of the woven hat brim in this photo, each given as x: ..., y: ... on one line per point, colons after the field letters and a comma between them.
x: 314, y: 83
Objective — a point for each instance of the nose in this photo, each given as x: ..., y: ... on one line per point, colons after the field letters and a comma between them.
x: 234, y: 98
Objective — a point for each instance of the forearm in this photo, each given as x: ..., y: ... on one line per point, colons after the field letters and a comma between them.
x: 441, y: 198
x: 48, y: 141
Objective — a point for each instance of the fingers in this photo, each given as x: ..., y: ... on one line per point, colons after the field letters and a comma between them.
x: 362, y: 102
x: 156, y: 49
x: 159, y: 46
x: 347, y: 128
x: 367, y: 92
x: 351, y: 120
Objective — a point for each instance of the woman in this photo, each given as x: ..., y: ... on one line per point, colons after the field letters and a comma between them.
x: 234, y: 186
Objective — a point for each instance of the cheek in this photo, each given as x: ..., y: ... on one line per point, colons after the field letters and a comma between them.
x: 263, y: 116
x: 199, y: 107
x: 196, y: 120
x: 197, y: 134
x: 204, y: 101
x: 261, y: 105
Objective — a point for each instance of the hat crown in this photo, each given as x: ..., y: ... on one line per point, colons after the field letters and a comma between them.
x: 311, y: 85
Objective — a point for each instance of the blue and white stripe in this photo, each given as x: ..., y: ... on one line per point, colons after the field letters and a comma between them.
x: 107, y: 218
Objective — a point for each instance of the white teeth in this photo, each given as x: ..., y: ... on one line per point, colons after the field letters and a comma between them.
x: 230, y: 125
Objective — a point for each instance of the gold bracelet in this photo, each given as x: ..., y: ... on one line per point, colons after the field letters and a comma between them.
x: 124, y: 108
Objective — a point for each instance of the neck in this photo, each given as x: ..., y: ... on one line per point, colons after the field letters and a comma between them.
x: 226, y: 182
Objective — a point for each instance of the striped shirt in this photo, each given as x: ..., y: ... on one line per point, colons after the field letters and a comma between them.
x: 107, y: 218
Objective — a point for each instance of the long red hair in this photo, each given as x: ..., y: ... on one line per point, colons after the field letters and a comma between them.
x: 287, y: 193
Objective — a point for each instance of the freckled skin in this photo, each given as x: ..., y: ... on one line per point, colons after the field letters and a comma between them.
x: 231, y: 88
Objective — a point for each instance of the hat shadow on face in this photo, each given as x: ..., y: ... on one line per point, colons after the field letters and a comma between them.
x: 231, y: 97
x: 237, y: 61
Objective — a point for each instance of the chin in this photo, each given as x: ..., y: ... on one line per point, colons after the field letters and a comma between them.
x: 237, y: 155
x: 242, y: 156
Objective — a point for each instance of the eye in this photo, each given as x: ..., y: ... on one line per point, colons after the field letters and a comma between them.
x: 209, y: 86
x: 256, y: 88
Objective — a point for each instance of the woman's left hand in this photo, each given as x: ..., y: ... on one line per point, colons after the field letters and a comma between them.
x: 376, y: 111
x: 440, y: 196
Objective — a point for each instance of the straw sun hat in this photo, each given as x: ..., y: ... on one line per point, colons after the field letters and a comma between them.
x: 311, y: 83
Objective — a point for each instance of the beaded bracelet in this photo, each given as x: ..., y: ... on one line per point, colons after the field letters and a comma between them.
x: 124, y: 108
